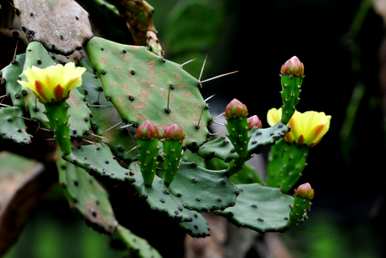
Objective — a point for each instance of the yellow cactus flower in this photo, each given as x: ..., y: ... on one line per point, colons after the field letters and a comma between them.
x: 306, y: 128
x: 53, y: 83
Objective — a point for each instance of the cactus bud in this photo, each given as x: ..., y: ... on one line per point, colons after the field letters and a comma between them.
x: 254, y: 122
x: 305, y: 191
x: 147, y: 130
x: 236, y: 109
x: 293, y: 66
x: 174, y: 132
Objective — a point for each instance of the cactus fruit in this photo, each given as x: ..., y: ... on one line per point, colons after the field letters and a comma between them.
x: 203, y: 190
x: 12, y: 126
x: 172, y: 148
x: 254, y: 122
x: 198, y: 227
x: 260, y: 208
x: 304, y: 194
x: 143, y: 86
x: 291, y: 76
x: 286, y: 162
x: 237, y: 125
x: 147, y: 135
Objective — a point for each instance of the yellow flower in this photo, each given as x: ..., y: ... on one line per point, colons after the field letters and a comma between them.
x: 306, y: 128
x: 53, y: 83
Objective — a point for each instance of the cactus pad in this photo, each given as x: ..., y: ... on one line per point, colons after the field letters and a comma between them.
x: 140, y: 84
x: 87, y: 195
x: 159, y: 197
x: 261, y: 137
x: 11, y: 74
x: 104, y: 116
x: 260, y: 208
x: 198, y: 227
x: 202, y: 189
x: 218, y: 147
x: 99, y: 159
x: 286, y: 164
x: 12, y: 125
x: 247, y: 175
x: 138, y: 247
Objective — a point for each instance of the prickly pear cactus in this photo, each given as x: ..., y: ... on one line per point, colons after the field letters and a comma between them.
x: 124, y: 116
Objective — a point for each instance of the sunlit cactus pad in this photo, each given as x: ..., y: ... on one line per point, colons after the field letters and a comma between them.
x: 260, y: 208
x: 139, y: 84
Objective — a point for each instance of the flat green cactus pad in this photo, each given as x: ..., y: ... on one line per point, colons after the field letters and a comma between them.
x: 11, y: 74
x: 139, y: 84
x: 265, y: 136
x: 286, y: 162
x: 98, y: 158
x: 12, y: 125
x: 91, y: 199
x: 198, y: 227
x: 138, y: 247
x: 105, y: 118
x: 260, y: 208
x: 220, y: 147
x: 159, y: 197
x: 87, y: 195
x: 247, y: 175
x: 202, y: 189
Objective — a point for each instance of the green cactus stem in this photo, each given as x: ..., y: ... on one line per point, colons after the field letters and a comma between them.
x: 292, y: 74
x: 237, y: 125
x: 286, y: 163
x: 58, y: 117
x: 302, y: 203
x: 147, y: 136
x: 172, y: 149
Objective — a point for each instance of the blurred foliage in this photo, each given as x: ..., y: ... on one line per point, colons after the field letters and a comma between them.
x: 45, y: 237
x: 325, y: 237
x: 190, y: 29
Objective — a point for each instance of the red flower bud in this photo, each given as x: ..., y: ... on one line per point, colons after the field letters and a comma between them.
x: 147, y: 130
x: 293, y: 66
x: 305, y: 191
x: 254, y: 122
x: 174, y: 132
x: 236, y: 109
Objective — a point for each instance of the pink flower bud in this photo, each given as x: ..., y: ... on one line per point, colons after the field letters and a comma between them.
x: 147, y: 130
x: 174, y: 132
x: 254, y: 122
x: 236, y: 109
x: 305, y: 191
x: 293, y: 66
